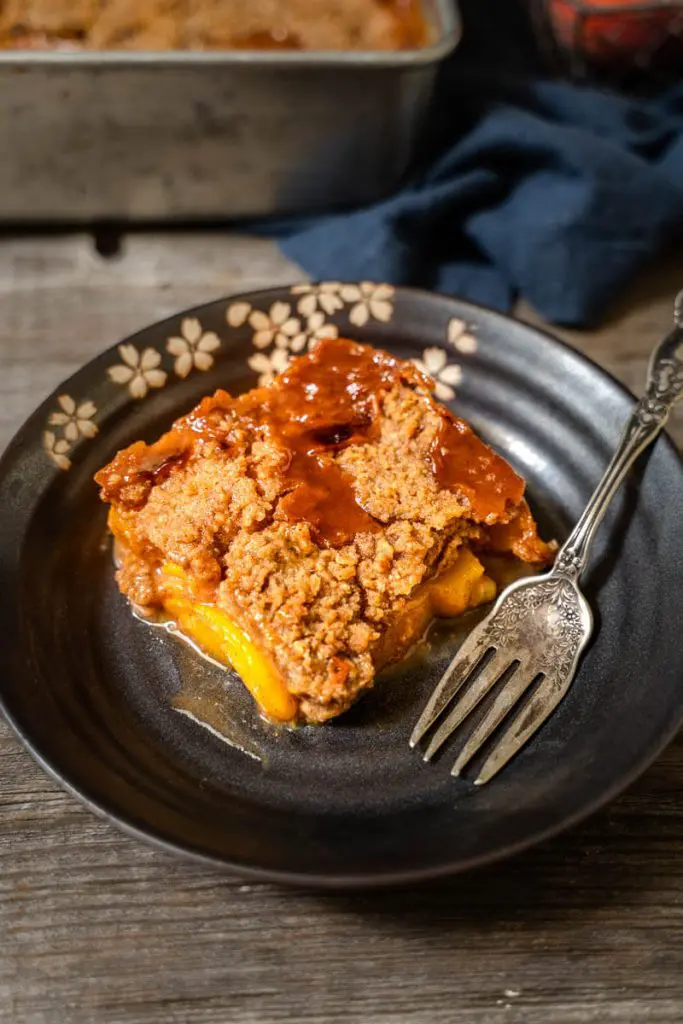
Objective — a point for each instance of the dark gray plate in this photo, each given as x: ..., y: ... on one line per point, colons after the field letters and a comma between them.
x: 94, y: 693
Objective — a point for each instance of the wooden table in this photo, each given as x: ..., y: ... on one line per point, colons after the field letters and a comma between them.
x: 97, y: 928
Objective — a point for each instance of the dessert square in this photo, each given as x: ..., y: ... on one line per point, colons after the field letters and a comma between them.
x: 308, y: 532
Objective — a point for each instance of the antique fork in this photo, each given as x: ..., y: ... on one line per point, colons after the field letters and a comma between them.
x: 538, y: 627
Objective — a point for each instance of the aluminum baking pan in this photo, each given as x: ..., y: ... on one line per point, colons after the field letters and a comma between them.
x: 180, y: 135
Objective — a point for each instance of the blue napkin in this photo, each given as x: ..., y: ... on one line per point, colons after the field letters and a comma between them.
x: 551, y: 191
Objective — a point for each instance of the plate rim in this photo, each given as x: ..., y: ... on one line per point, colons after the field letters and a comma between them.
x: 308, y: 880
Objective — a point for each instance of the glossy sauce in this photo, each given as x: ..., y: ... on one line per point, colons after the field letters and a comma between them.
x: 133, y: 472
x: 464, y: 464
x: 325, y: 401
x: 202, y: 696
x: 520, y: 537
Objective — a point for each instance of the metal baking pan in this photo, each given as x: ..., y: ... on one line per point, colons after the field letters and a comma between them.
x: 171, y: 136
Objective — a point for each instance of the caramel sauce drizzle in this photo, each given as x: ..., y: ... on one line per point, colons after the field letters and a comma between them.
x: 325, y: 401
x: 462, y: 463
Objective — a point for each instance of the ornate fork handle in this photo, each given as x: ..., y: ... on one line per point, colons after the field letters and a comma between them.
x: 664, y: 389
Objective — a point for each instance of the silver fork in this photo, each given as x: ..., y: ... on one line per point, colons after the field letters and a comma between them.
x: 538, y: 627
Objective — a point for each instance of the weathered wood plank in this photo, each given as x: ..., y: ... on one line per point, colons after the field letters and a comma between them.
x: 62, y: 303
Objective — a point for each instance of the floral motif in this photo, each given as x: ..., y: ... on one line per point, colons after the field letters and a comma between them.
x: 278, y: 325
x: 193, y: 348
x: 75, y: 421
x: 459, y: 337
x: 237, y: 313
x: 57, y: 449
x: 317, y: 330
x: 140, y: 370
x: 325, y: 295
x: 369, y: 301
x: 434, y: 364
x: 285, y: 329
x: 269, y: 365
x: 294, y: 329
x: 678, y: 313
x: 568, y: 563
x: 530, y: 614
x: 666, y: 387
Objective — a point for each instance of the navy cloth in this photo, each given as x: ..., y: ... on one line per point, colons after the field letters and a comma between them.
x: 527, y: 187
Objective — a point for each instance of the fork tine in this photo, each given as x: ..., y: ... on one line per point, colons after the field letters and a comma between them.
x: 513, y: 689
x: 528, y: 721
x: 468, y: 658
x: 486, y: 678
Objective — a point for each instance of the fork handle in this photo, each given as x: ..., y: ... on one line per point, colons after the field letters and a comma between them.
x: 664, y: 388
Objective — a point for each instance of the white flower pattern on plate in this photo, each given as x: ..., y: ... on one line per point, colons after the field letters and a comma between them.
x: 193, y: 348
x: 237, y: 313
x: 369, y: 301
x: 278, y: 329
x: 57, y: 449
x: 278, y: 325
x: 140, y: 370
x: 458, y: 335
x: 324, y: 295
x: 74, y: 420
x: 434, y: 364
x: 268, y: 366
x: 317, y: 330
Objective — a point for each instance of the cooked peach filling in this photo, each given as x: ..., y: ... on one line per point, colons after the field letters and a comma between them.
x: 462, y: 586
x: 221, y: 638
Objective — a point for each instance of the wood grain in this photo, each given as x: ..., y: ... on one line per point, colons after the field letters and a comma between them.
x: 586, y: 929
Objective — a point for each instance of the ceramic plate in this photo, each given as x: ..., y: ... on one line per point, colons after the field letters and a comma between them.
x: 168, y: 746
